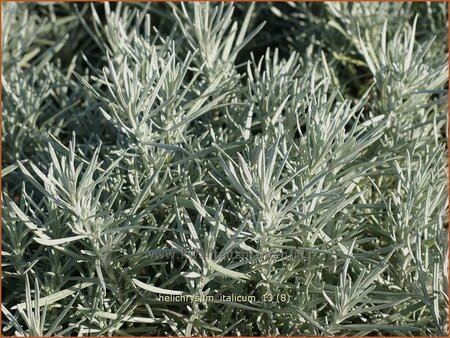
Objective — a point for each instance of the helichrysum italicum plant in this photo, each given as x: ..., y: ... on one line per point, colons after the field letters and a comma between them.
x: 199, y: 169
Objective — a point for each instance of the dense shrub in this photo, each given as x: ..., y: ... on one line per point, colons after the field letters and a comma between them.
x: 287, y: 160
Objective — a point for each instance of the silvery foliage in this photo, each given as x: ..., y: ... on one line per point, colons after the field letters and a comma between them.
x: 186, y: 149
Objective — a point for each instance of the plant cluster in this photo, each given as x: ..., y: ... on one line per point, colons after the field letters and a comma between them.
x: 197, y: 169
